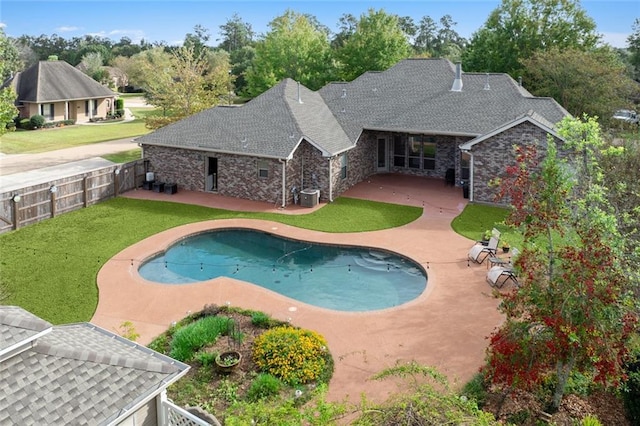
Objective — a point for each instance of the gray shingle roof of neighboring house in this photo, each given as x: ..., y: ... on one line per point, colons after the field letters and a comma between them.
x: 413, y: 96
x: 56, y: 81
x: 76, y: 374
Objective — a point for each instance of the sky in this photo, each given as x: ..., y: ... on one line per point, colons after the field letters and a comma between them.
x: 171, y: 20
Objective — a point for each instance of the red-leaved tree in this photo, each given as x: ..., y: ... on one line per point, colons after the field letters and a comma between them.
x: 573, y: 310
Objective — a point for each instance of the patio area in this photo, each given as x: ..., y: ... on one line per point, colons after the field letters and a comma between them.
x: 445, y: 327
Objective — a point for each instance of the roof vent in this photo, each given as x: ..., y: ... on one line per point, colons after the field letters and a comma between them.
x: 457, y: 83
x: 486, y: 83
x: 299, y: 95
x: 344, y: 93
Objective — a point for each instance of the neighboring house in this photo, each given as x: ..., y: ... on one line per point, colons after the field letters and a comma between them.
x: 422, y: 117
x: 58, y: 91
x: 81, y: 374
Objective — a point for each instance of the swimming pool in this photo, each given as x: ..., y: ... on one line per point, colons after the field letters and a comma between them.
x: 343, y: 278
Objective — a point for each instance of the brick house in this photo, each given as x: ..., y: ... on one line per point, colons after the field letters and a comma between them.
x: 422, y: 117
x: 58, y: 91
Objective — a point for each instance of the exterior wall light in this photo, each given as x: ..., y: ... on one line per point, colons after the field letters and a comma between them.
x: 16, y: 198
x: 53, y: 189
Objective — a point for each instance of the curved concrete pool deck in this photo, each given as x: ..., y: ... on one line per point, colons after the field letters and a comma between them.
x: 445, y: 327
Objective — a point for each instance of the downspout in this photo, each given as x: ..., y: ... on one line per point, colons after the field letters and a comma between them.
x: 471, y: 177
x: 284, y: 180
x: 330, y: 183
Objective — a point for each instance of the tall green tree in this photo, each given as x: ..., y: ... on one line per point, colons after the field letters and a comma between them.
x: 377, y: 43
x: 236, y: 34
x: 93, y: 65
x: 238, y: 40
x: 7, y: 95
x: 593, y: 82
x: 347, y: 24
x: 633, y: 48
x: 573, y: 311
x: 293, y: 47
x: 621, y: 174
x: 518, y: 28
x: 439, y: 40
x: 197, y: 42
x: 11, y: 62
x: 183, y: 83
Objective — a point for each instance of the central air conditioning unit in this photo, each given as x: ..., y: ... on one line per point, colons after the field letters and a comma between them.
x: 309, y: 197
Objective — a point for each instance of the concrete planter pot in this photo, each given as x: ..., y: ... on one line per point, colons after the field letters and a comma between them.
x: 227, y: 361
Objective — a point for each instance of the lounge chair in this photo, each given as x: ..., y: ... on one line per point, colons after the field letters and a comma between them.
x: 494, y: 233
x: 506, y: 272
x: 478, y: 253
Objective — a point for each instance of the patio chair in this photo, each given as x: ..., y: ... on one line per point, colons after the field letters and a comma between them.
x: 506, y: 272
x: 494, y: 233
x: 478, y: 253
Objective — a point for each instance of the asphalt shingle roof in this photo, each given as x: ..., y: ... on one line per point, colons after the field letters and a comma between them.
x: 78, y: 374
x: 18, y: 325
x: 413, y: 96
x: 55, y: 81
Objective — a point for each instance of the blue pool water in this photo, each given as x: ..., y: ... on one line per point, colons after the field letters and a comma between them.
x: 336, y: 277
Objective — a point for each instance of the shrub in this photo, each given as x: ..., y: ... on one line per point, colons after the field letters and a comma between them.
x: 25, y: 123
x: 119, y: 104
x: 294, y: 355
x: 476, y: 389
x: 631, y: 391
x: 37, y: 121
x: 263, y: 387
x: 206, y: 358
x: 188, y: 339
x: 590, y: 421
x: 260, y: 319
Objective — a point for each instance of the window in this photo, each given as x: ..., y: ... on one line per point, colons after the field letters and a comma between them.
x: 414, y: 151
x: 343, y: 166
x: 46, y: 110
x: 428, y: 155
x: 464, y: 165
x: 263, y: 168
x: 399, y: 151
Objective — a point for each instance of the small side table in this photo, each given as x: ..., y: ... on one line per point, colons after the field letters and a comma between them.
x: 494, y: 260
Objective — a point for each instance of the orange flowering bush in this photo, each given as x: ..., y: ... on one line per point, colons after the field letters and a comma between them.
x: 294, y: 355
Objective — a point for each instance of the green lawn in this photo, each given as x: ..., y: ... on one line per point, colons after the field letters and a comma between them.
x: 124, y: 157
x: 50, y: 268
x: 33, y: 141
x: 477, y: 218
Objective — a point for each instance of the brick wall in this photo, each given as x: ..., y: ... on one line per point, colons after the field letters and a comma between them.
x: 492, y: 156
x: 361, y: 162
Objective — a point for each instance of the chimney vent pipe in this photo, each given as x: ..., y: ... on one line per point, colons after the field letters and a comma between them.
x: 457, y: 83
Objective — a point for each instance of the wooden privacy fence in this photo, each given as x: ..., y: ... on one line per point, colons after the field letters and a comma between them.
x: 31, y: 204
